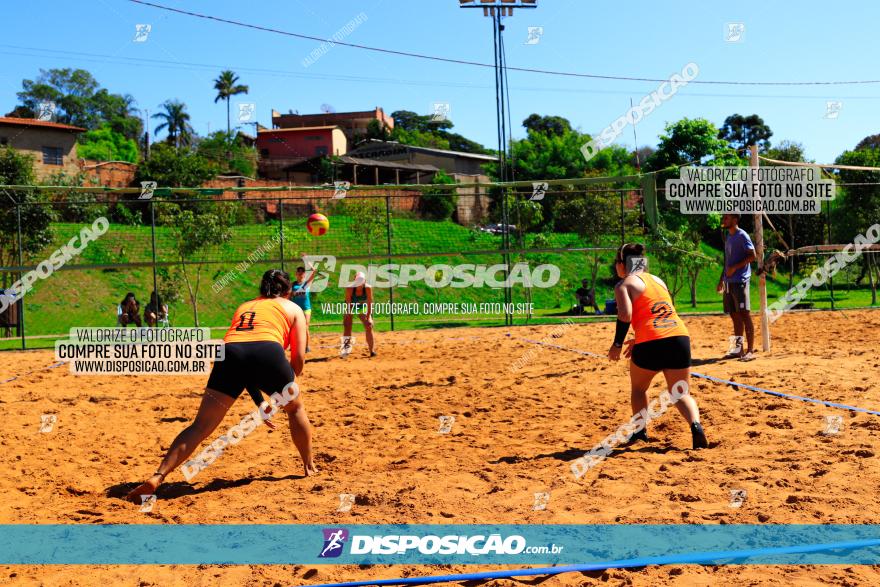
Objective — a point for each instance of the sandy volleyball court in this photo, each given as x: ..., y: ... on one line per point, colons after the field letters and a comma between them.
x: 377, y: 437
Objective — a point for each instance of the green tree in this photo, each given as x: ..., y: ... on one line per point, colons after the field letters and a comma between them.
x: 439, y: 203
x: 368, y: 221
x: 741, y: 131
x: 548, y: 125
x: 106, y: 144
x: 424, y: 131
x: 687, y: 142
x: 78, y: 206
x: 869, y: 142
x: 80, y: 101
x: 797, y: 229
x: 17, y: 169
x: 170, y: 167
x: 195, y: 231
x: 229, y: 153
x: 227, y: 86
x: 175, y: 119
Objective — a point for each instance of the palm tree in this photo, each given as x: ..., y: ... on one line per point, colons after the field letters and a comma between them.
x: 176, y: 121
x: 226, y: 87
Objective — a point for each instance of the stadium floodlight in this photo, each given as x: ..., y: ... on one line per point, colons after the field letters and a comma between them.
x: 504, y: 7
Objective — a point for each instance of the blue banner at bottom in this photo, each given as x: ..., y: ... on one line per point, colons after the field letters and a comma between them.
x: 436, y: 544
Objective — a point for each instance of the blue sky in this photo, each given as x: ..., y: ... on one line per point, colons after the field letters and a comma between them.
x: 783, y: 41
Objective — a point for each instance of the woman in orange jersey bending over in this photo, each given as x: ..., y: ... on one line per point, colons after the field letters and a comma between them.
x: 662, y: 341
x: 261, y: 330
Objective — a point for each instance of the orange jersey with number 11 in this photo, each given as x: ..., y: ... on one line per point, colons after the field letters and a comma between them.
x: 653, y: 315
x: 262, y: 319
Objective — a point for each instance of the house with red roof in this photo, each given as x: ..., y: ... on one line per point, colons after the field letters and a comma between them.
x: 52, y: 144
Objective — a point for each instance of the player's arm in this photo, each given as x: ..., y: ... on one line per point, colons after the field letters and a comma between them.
x: 624, y: 317
x: 348, y: 291
x: 298, y: 340
x: 369, y: 303
x: 749, y: 258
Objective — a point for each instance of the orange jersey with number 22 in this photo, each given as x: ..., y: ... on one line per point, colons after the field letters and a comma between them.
x: 653, y: 314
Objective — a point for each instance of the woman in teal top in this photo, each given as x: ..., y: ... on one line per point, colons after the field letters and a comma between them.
x: 300, y: 295
x: 358, y: 298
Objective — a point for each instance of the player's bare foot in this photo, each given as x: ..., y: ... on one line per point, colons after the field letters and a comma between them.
x: 310, y: 469
x: 148, y: 487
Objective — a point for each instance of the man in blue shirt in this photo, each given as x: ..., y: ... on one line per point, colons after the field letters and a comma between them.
x: 739, y: 253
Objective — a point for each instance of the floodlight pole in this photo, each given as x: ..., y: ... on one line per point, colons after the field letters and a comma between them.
x: 497, y: 9
x: 759, y: 253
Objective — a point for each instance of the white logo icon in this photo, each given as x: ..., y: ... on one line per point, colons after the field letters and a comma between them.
x: 46, y: 111
x: 541, y: 501
x: 832, y: 109
x: 636, y: 264
x: 539, y: 190
x: 147, y: 503
x: 141, y: 32
x: 47, y: 422
x: 737, y: 497
x: 340, y: 189
x: 323, y: 265
x: 446, y: 423
x: 147, y: 189
x: 346, y: 500
x: 440, y: 111
x: 833, y: 425
x: 535, y: 33
x: 735, y: 345
x: 347, y: 345
x: 734, y: 32
x: 246, y: 111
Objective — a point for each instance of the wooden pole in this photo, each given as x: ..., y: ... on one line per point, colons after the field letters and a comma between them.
x: 759, y: 252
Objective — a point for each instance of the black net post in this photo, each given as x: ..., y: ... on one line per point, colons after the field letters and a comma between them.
x: 281, y: 230
x: 153, y: 239
x: 388, y: 239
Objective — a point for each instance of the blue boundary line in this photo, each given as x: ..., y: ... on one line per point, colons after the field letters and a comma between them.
x: 53, y: 366
x: 676, y: 559
x: 728, y: 382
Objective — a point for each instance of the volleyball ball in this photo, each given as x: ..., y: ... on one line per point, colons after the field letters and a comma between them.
x: 318, y: 225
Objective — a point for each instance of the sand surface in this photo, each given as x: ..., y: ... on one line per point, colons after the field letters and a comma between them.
x: 376, y: 436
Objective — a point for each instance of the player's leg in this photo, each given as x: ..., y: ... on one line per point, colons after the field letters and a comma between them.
x: 211, y: 412
x: 301, y: 433
x: 308, y: 315
x: 346, y: 336
x: 640, y: 380
x: 368, y: 332
x: 687, y: 405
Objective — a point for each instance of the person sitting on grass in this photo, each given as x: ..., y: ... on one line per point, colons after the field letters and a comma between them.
x: 586, y: 298
x: 128, y: 311
x: 155, y: 311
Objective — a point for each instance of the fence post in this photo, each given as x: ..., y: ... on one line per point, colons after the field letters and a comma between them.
x: 20, y: 275
x: 505, y: 255
x: 649, y: 199
x: 830, y: 277
x: 153, y: 239
x: 281, y: 229
x: 622, y: 225
x: 388, y: 237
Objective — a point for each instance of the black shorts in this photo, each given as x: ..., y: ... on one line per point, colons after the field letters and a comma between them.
x: 736, y: 298
x: 260, y: 365
x: 664, y: 353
